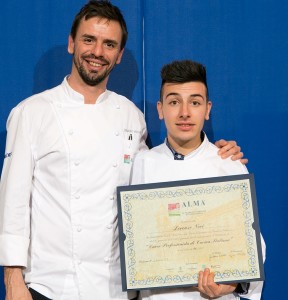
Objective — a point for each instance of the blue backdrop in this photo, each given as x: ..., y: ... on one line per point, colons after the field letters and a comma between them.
x: 244, y: 46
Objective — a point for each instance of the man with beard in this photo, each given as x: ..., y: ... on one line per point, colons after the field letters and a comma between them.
x: 67, y: 149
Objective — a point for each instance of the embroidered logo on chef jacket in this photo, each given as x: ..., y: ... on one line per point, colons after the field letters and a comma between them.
x: 7, y: 155
x: 127, y: 157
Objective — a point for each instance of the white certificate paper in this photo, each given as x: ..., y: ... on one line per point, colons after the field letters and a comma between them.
x: 170, y: 231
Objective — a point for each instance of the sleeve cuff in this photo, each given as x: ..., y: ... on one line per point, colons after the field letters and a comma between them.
x: 13, y: 250
x: 242, y: 288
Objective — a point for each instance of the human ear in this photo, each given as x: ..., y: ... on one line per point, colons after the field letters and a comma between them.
x: 159, y: 109
x: 208, y: 110
x: 119, y: 56
x: 71, y: 45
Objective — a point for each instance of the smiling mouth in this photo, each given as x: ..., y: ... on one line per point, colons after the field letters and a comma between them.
x: 185, y: 125
x: 94, y: 64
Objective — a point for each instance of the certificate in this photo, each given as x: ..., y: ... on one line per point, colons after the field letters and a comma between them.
x: 170, y: 231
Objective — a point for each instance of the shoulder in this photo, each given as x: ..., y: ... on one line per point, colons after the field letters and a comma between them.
x: 153, y: 153
x: 34, y: 107
x: 128, y: 114
x: 226, y: 165
x: 122, y: 101
x: 39, y: 100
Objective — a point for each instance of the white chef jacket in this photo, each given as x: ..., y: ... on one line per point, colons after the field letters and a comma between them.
x: 58, y: 215
x: 158, y: 165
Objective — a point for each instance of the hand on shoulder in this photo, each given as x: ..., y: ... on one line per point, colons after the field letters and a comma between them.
x: 230, y: 148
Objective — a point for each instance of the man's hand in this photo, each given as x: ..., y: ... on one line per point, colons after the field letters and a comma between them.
x: 208, y: 287
x: 228, y: 148
x: 15, y: 285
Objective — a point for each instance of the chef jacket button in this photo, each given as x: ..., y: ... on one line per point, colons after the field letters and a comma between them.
x: 79, y: 229
x: 77, y: 196
x: 115, y: 165
x: 116, y: 133
x: 76, y: 163
x: 106, y: 259
x: 111, y: 197
x: 109, y: 226
x: 71, y: 132
x: 79, y: 262
x: 117, y: 106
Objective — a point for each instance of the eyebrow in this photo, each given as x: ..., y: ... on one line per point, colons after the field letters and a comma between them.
x: 192, y: 95
x: 88, y: 36
x: 92, y: 37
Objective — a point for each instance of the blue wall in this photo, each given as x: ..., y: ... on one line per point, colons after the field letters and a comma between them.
x: 244, y: 46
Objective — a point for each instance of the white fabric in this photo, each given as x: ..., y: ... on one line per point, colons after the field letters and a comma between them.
x: 63, y: 162
x: 158, y: 165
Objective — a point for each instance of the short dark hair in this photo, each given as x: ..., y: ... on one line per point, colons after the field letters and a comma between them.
x: 182, y: 71
x: 102, y: 9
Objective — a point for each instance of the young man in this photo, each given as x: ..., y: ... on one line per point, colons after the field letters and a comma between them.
x: 65, y: 155
x: 187, y: 154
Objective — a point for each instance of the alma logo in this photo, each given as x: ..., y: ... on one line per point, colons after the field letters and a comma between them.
x: 174, y: 209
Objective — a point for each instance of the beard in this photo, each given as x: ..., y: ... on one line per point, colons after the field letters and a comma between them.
x: 92, y: 78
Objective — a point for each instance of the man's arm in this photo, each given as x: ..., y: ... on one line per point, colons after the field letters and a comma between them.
x: 14, y: 284
x: 15, y: 190
x: 228, y: 148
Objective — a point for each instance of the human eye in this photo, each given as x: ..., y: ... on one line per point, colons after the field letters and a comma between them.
x: 110, y: 45
x: 173, y: 102
x: 195, y: 103
x: 88, y: 40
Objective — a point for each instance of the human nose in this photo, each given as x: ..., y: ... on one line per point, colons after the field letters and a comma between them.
x: 184, y: 111
x: 98, y: 50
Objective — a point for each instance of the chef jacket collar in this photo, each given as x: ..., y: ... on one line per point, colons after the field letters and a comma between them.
x: 77, y: 97
x: 179, y: 156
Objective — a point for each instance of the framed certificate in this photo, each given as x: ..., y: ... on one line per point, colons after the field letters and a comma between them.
x: 170, y: 231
